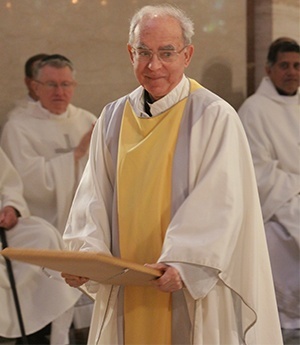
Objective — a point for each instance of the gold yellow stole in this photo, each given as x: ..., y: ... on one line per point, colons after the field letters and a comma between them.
x: 144, y: 175
x: 146, y: 148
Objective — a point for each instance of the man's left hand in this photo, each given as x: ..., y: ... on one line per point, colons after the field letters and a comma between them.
x: 170, y: 281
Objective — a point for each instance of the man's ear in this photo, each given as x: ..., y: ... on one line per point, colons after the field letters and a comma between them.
x: 129, y: 48
x: 27, y: 82
x: 268, y: 69
x: 188, y: 54
x: 34, y: 86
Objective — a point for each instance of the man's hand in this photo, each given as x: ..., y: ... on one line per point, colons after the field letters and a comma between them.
x: 74, y: 281
x: 170, y: 281
x: 83, y: 147
x: 8, y: 217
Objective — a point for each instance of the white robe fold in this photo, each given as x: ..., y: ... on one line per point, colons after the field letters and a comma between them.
x: 215, y: 238
x: 43, y: 294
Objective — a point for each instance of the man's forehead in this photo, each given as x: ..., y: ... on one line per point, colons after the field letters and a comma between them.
x: 55, y: 71
x: 288, y: 56
x: 160, y: 47
x: 159, y: 27
x: 159, y: 41
x: 50, y: 68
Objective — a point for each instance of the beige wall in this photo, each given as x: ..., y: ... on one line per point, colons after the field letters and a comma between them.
x: 93, y: 33
x: 273, y: 19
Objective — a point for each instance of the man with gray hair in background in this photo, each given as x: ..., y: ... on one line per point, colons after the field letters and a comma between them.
x: 48, y: 143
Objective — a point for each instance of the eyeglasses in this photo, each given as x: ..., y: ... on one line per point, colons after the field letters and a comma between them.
x: 165, y: 55
x: 50, y: 85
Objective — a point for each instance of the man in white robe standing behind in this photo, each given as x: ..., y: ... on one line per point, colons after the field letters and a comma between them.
x: 271, y: 120
x: 48, y: 143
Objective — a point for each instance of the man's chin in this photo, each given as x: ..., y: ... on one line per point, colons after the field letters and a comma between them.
x: 57, y: 111
x: 156, y: 92
x: 292, y: 90
x: 288, y: 88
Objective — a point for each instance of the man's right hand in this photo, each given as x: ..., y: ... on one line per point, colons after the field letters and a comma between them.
x: 74, y: 281
x: 8, y: 217
x: 83, y: 147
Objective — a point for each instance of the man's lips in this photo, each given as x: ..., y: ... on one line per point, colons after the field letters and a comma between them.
x: 154, y: 77
x: 292, y: 80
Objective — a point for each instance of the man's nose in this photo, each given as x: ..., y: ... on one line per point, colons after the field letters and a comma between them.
x: 154, y: 62
x: 59, y: 88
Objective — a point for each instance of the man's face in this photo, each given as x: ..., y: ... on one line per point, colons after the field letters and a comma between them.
x: 285, y: 73
x: 55, y: 88
x: 156, y: 76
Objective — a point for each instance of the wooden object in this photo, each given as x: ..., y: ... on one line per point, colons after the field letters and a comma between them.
x: 96, y: 266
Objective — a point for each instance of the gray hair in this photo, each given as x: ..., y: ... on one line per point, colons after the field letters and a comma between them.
x: 185, y: 22
x: 55, y: 60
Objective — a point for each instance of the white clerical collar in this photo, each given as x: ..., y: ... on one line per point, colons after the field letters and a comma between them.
x: 268, y: 89
x: 50, y: 115
x: 177, y: 94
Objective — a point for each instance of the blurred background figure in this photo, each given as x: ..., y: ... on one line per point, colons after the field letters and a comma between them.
x: 48, y: 142
x: 28, y: 80
x: 31, y: 96
x: 29, y: 68
x: 271, y: 121
x: 43, y: 300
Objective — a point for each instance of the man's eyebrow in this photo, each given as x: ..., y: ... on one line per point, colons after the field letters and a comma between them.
x: 167, y: 47
x: 141, y: 46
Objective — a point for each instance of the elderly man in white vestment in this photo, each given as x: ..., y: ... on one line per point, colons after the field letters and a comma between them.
x: 43, y: 300
x: 48, y: 141
x: 170, y: 183
x: 271, y: 120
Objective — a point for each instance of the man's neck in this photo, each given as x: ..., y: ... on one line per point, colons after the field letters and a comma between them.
x: 283, y: 93
x: 147, y: 100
